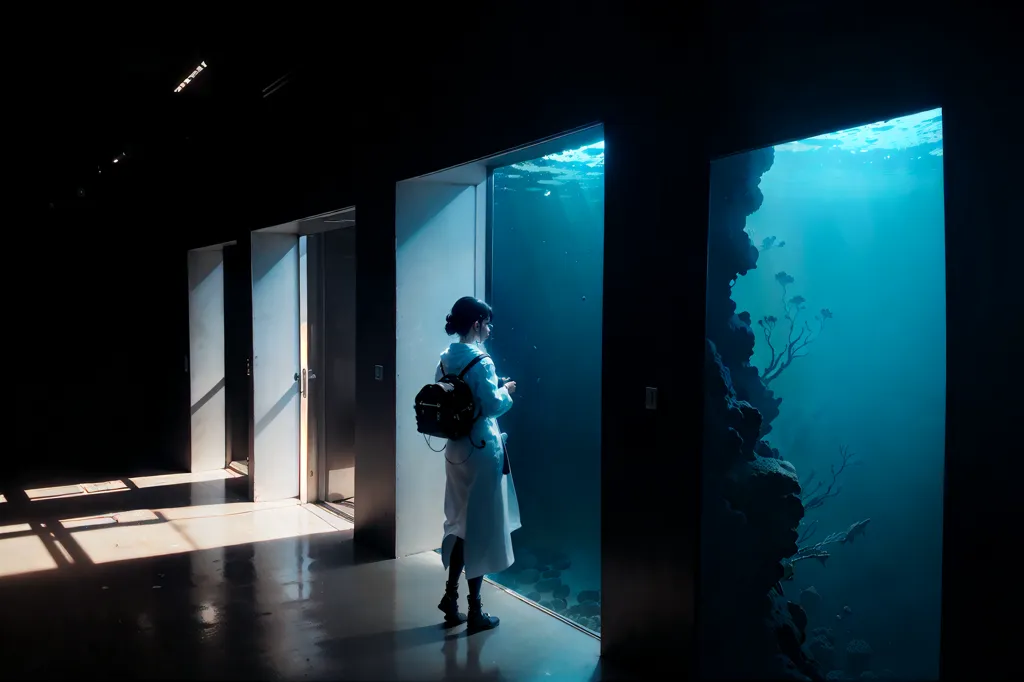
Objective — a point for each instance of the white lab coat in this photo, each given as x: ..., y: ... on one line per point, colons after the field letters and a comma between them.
x: 480, y: 504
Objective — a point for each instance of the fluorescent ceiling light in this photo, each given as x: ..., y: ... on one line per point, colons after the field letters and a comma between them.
x: 191, y: 77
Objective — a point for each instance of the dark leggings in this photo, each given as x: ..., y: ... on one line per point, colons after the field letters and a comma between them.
x: 457, y: 563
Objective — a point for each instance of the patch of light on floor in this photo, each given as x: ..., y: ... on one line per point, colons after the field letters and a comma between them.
x: 199, y: 528
x: 80, y: 489
x: 15, y: 528
x: 2, y: 499
x: 23, y: 554
x: 146, y: 533
x: 178, y: 479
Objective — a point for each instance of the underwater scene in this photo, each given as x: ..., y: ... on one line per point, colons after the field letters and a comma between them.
x: 824, y: 445
x: 546, y: 282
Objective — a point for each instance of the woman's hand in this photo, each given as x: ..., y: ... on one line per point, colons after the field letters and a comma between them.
x: 511, y: 386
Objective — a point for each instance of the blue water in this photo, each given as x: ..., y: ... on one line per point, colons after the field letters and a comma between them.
x: 547, y: 231
x: 860, y: 213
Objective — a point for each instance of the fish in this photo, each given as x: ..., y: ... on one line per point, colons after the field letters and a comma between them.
x: 856, y: 529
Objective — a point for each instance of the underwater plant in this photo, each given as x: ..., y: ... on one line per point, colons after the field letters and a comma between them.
x: 796, y: 342
x: 818, y: 551
x: 813, y: 498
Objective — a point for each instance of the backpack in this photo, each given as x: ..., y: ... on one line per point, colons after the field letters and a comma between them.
x: 447, y: 409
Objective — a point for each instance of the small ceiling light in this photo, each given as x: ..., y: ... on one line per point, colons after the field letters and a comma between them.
x: 116, y: 159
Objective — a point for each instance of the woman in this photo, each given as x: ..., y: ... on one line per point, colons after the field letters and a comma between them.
x: 480, y: 505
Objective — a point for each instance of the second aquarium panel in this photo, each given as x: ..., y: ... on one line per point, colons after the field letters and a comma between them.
x: 823, y: 463
x: 546, y: 285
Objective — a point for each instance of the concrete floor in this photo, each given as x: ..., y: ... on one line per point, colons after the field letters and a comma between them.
x: 177, y: 576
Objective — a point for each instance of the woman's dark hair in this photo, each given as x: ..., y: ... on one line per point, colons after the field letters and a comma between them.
x: 466, y: 312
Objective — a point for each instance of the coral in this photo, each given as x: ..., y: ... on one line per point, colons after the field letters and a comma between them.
x: 810, y: 600
x: 794, y: 346
x: 750, y: 502
x: 528, y: 577
x: 751, y: 506
x: 799, y: 616
x: 858, y: 656
x: 818, y: 551
x: 815, y: 497
x: 734, y: 195
x: 824, y: 651
x: 548, y: 585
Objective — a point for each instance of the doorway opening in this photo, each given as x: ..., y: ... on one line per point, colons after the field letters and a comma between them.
x: 331, y: 343
x: 524, y: 231
x: 303, y: 349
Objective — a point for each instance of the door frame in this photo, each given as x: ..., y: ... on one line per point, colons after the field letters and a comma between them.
x: 312, y: 312
x: 316, y: 455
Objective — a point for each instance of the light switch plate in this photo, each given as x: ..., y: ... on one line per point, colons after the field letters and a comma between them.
x: 378, y: 372
x: 651, y: 399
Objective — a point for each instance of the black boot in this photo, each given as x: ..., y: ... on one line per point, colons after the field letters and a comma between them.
x: 478, y: 620
x: 450, y: 604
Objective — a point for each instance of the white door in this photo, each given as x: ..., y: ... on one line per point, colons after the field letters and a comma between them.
x: 307, y: 464
x: 206, y: 359
x: 276, y: 366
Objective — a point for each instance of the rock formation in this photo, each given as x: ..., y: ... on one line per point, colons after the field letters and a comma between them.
x: 751, y: 496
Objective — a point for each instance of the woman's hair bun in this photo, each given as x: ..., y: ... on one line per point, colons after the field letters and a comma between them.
x: 466, y: 312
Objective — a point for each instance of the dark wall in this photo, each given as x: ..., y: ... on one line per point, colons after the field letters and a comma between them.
x: 93, y: 340
x: 375, y: 345
x: 237, y: 303
x: 983, y: 247
x: 339, y: 347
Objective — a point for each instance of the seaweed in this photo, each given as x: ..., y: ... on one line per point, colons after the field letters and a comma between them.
x: 796, y: 342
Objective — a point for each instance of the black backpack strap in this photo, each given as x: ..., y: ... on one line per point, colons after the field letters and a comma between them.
x: 471, y: 363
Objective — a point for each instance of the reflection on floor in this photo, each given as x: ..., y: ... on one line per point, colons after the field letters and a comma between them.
x: 179, y: 576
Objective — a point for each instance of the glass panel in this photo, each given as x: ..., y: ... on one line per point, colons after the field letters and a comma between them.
x: 546, y: 280
x: 822, y: 492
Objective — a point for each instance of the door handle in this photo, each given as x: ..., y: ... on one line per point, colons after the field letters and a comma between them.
x: 304, y: 378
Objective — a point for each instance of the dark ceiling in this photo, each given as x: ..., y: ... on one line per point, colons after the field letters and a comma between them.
x: 91, y: 91
x: 87, y: 97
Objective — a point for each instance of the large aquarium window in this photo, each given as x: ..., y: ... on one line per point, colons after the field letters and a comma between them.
x: 545, y: 283
x: 824, y: 441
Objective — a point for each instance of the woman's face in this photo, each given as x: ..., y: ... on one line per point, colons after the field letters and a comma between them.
x: 484, y: 330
